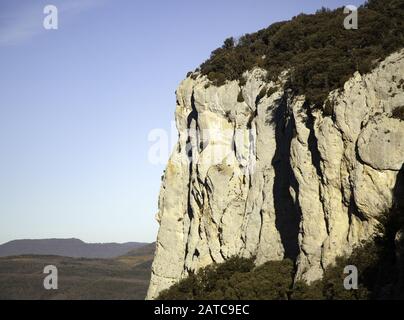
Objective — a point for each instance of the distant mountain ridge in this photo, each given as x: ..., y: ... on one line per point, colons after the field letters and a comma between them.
x: 74, y: 248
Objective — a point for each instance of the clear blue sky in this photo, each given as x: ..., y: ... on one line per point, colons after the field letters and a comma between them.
x: 77, y: 105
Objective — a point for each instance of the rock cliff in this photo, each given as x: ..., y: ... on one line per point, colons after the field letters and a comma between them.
x: 257, y: 171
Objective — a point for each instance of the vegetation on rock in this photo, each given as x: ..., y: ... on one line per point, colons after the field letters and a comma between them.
x: 381, y: 272
x: 319, y: 52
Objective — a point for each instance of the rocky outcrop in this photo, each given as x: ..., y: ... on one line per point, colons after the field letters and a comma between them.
x: 259, y: 172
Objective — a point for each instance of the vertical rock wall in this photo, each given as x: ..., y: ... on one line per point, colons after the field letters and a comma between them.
x: 258, y: 172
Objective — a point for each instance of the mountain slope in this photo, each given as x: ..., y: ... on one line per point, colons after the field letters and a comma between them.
x: 145, y: 250
x: 124, y: 277
x: 66, y: 247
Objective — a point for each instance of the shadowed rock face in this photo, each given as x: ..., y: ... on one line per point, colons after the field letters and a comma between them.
x: 287, y: 213
x: 270, y: 177
x: 399, y: 235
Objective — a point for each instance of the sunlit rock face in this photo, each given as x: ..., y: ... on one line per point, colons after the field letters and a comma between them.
x: 259, y: 173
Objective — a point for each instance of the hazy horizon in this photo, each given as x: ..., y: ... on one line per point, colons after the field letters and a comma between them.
x: 78, y: 103
x: 113, y: 242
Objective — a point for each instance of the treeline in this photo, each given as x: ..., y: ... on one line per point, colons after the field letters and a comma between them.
x: 320, y: 53
x: 380, y: 277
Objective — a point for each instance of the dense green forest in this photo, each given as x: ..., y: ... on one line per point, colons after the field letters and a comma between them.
x: 319, y: 52
x: 380, y: 264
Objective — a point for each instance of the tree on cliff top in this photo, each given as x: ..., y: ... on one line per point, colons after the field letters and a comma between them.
x: 320, y: 53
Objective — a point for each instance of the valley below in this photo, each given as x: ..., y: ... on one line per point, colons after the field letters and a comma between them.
x: 121, y: 278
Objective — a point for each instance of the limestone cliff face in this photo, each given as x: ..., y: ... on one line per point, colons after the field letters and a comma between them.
x: 257, y: 172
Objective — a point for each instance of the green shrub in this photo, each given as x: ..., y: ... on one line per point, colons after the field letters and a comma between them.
x: 318, y: 51
x: 381, y: 273
x: 242, y: 81
x: 235, y: 279
x: 238, y: 278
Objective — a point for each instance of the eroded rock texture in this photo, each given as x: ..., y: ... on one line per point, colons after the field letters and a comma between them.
x: 258, y: 172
